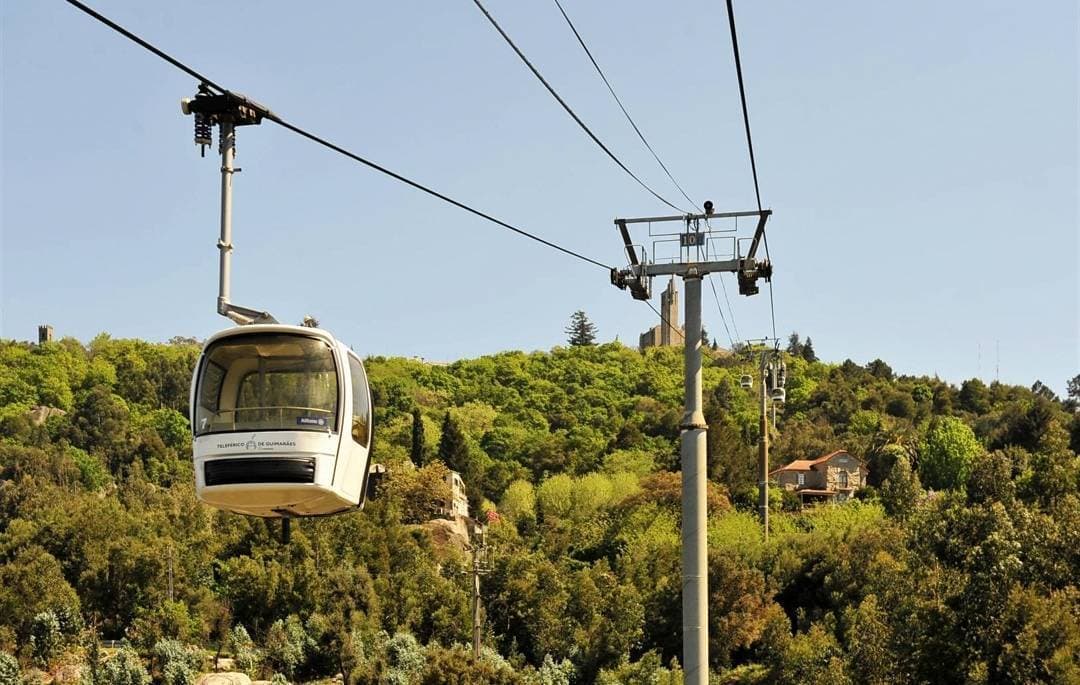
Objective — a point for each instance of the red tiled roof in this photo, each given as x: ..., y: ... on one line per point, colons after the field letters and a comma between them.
x: 808, y: 464
x: 797, y: 465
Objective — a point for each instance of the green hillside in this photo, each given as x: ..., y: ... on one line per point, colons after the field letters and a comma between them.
x: 960, y: 564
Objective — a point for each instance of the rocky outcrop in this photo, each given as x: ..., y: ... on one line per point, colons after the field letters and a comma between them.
x: 40, y: 414
x: 232, y: 678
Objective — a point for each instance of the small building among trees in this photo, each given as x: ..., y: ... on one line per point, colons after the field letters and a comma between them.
x: 834, y: 477
x: 457, y: 505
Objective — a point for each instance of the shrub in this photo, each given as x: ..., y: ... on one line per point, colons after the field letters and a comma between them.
x: 286, y: 644
x: 245, y: 656
x: 178, y: 664
x: 124, y: 669
x: 45, y: 637
x: 405, y: 656
x: 553, y: 672
x: 178, y: 673
x: 9, y: 669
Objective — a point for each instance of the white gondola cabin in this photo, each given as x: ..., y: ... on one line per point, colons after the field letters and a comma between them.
x: 282, y: 425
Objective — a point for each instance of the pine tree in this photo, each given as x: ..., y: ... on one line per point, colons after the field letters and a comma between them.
x: 704, y: 337
x: 581, y: 331
x: 795, y: 346
x: 453, y: 448
x: 808, y: 351
x: 418, y: 443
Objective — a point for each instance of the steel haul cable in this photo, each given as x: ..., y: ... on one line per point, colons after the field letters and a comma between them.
x: 720, y: 309
x: 573, y: 115
x: 750, y: 144
x: 619, y: 102
x: 325, y: 143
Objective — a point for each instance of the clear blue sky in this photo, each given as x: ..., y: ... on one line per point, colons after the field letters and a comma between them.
x: 920, y: 158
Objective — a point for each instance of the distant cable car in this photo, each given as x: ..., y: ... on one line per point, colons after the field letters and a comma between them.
x: 747, y: 381
x: 778, y: 395
x: 282, y: 422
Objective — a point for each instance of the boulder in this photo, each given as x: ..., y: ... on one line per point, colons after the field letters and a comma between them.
x: 40, y: 414
x: 232, y: 678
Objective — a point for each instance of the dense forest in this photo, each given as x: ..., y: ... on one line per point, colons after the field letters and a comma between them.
x: 960, y: 563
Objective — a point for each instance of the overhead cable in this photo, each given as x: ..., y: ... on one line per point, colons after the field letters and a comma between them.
x: 721, y: 310
x: 749, y: 144
x: 619, y: 102
x: 573, y: 115
x: 325, y: 143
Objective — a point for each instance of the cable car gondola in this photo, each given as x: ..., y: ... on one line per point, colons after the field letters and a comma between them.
x: 280, y: 415
x: 282, y: 425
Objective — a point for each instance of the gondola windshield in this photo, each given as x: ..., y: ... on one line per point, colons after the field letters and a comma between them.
x: 271, y: 381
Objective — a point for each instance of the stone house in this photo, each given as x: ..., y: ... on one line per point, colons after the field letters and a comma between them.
x: 834, y: 477
x: 458, y: 504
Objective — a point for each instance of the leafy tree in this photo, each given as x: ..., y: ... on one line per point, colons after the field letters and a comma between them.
x: 555, y: 497
x: 457, y: 666
x: 31, y: 583
x: 100, y: 425
x: 287, y: 643
x: 453, y: 446
x: 580, y: 332
x: 901, y: 405
x: 1040, y: 639
x: 811, y: 657
x: 1041, y: 390
x: 879, y: 369
x: 9, y: 669
x: 946, y: 454
x: 245, y: 655
x: 870, y: 655
x: 417, y: 491
x: 1072, y: 392
x: 519, y: 502
x: 45, y: 638
x: 648, y: 670
x: 738, y: 607
x: 124, y: 668
x: 416, y: 452
x: 795, y: 345
x: 177, y: 664
x: 555, y: 673
x: 990, y: 479
x: 975, y: 396
x: 1073, y: 387
x: 405, y: 658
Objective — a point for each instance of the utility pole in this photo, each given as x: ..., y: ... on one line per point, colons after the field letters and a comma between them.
x: 481, y: 566
x: 763, y: 449
x: 773, y: 374
x: 698, y: 257
x: 170, y: 573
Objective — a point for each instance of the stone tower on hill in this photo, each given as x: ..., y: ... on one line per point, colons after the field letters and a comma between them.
x: 668, y: 332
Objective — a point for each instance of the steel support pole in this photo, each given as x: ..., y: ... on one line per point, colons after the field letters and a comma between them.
x: 476, y: 604
x: 763, y: 452
x: 695, y: 579
x: 228, y: 153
